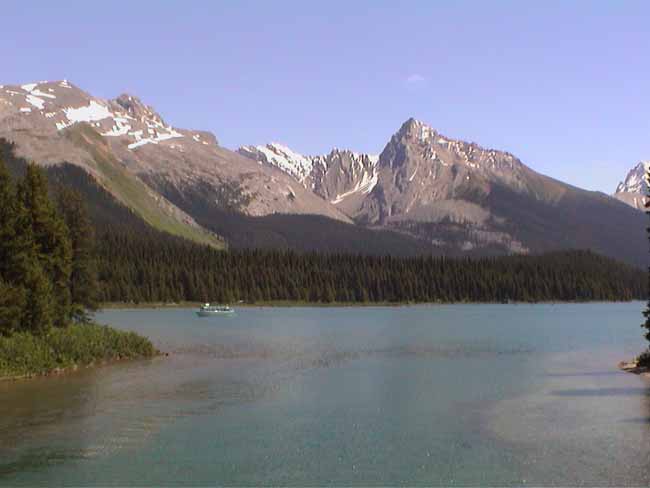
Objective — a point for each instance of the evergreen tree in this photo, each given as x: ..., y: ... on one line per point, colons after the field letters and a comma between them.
x: 53, y: 249
x: 16, y: 256
x: 83, y: 276
x: 646, y: 312
x: 40, y: 307
x: 12, y: 307
x: 11, y: 302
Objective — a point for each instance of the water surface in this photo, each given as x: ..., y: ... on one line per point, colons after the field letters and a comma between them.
x: 454, y: 394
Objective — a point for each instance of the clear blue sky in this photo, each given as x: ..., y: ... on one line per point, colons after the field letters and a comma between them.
x: 563, y: 85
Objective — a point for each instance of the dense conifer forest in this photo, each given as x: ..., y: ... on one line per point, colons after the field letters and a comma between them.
x: 138, y: 264
x: 144, y: 268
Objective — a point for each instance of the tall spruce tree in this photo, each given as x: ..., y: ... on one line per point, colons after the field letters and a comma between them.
x: 13, y: 259
x: 84, y: 286
x: 26, y: 300
x: 51, y: 238
x: 646, y: 312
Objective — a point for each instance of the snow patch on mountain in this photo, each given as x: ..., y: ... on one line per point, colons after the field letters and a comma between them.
x: 636, y: 180
x: 281, y: 157
x: 635, y: 189
x: 125, y: 117
x: 364, y: 186
x: 171, y: 134
x: 39, y: 103
x: 90, y: 113
x: 121, y: 127
x: 29, y: 86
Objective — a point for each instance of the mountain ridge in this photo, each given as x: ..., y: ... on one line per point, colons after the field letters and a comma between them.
x: 450, y: 195
x: 635, y: 188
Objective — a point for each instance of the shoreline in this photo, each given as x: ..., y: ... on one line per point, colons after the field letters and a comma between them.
x: 75, y: 368
x: 634, y: 368
x: 301, y: 304
x: 24, y: 355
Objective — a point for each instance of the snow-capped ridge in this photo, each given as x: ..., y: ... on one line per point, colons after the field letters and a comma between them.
x: 334, y: 176
x: 635, y: 189
x: 637, y: 180
x: 63, y: 105
x: 280, y: 156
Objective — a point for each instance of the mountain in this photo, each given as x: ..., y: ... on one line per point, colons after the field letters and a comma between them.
x: 341, y: 177
x: 171, y: 177
x: 53, y: 122
x: 634, y: 189
x: 459, y: 195
x: 425, y: 193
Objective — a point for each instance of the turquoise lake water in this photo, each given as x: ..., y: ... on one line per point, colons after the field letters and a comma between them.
x: 423, y: 395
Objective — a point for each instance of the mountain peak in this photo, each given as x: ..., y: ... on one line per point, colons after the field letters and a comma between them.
x: 636, y: 180
x: 635, y: 189
x: 135, y: 108
x: 417, y: 130
x: 411, y: 124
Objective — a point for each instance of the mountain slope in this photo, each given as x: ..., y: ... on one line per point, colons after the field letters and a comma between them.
x: 495, y: 196
x: 459, y: 195
x: 39, y: 116
x: 634, y: 189
x: 341, y: 177
x: 132, y: 153
x: 425, y: 192
x: 56, y: 123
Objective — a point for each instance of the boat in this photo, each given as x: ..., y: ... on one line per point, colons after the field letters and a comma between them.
x: 207, y: 310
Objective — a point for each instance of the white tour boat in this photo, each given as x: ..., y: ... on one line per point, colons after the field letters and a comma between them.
x: 208, y: 310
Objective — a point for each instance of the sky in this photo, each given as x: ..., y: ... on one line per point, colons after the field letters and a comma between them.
x: 563, y: 85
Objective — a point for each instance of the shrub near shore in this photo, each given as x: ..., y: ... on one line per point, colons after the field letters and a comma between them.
x: 26, y: 354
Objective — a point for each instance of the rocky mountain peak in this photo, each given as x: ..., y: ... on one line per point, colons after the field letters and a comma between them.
x: 635, y: 189
x: 280, y: 156
x: 135, y: 108
x: 414, y: 129
x: 636, y: 180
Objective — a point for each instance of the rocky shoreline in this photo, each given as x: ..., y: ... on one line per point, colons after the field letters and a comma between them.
x: 633, y: 367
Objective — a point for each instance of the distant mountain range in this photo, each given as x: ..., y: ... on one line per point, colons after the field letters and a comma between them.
x: 424, y: 193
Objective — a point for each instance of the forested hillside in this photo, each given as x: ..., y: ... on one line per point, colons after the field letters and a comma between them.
x: 137, y: 263
x: 144, y: 268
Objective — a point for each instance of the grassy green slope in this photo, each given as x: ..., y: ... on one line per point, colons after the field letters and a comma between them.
x: 132, y: 192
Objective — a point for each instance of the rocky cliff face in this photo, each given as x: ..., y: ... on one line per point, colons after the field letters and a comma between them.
x: 423, y: 175
x: 341, y: 177
x: 634, y: 189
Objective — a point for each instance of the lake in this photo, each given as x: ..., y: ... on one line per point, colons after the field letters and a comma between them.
x: 422, y: 395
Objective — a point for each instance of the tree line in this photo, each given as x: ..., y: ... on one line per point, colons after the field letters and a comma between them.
x: 148, y: 267
x: 48, y: 274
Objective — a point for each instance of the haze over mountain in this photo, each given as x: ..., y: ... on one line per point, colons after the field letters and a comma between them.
x: 424, y: 193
